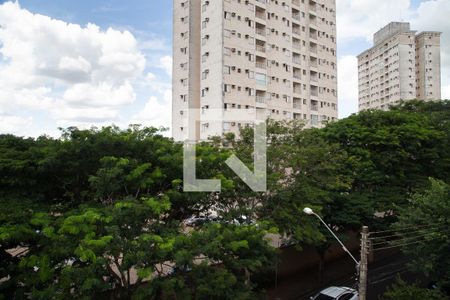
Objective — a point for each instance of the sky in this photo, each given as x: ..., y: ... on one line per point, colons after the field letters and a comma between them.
x: 96, y: 63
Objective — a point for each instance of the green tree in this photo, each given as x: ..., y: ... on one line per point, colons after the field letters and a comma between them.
x: 392, y: 154
x: 403, y: 291
x: 427, y: 214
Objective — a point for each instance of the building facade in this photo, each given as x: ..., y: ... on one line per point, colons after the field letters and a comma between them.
x: 276, y: 58
x: 402, y: 65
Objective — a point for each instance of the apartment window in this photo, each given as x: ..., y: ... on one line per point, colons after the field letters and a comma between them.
x: 226, y: 70
x: 314, y: 120
x: 205, y: 39
x: 205, y: 23
x: 205, y: 74
x: 227, y: 51
x: 205, y: 57
x: 261, y: 79
x: 205, y: 6
x: 205, y: 127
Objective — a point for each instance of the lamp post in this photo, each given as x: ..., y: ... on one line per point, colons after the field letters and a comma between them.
x: 310, y: 212
x: 361, y: 267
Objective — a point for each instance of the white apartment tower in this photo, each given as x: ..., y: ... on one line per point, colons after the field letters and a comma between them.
x: 274, y: 57
x: 402, y: 65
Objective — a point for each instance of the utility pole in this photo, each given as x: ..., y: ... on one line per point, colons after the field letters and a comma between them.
x: 363, y: 263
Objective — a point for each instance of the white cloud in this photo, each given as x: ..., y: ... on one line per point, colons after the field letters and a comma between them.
x: 362, y: 18
x: 76, y: 73
x: 15, y: 124
x: 101, y: 95
x: 154, y: 44
x: 150, y: 76
x: 165, y: 63
x: 348, y: 87
x: 156, y: 113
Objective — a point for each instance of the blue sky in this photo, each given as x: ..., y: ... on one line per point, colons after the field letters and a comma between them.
x: 67, y: 73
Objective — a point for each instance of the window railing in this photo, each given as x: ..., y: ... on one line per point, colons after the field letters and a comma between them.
x: 261, y: 31
x: 260, y: 48
x: 261, y: 65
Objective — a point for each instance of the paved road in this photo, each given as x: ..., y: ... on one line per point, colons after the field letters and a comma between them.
x: 382, y: 274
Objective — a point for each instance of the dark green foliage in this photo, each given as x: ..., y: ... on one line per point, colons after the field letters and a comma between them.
x: 392, y: 154
x: 428, y: 216
x: 402, y: 291
x: 99, y: 213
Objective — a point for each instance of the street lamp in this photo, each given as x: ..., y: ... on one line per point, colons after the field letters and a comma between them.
x: 310, y: 212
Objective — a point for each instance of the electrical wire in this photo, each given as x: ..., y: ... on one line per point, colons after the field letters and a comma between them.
x: 436, y: 227
x: 397, y: 246
x: 407, y: 228
x: 403, y: 242
x: 402, y: 239
x: 409, y: 234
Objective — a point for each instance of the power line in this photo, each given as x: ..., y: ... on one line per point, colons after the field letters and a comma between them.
x: 397, y: 246
x: 402, y: 239
x: 402, y: 242
x: 409, y: 234
x: 407, y: 228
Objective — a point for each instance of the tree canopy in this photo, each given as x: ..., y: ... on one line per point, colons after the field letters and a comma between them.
x: 101, y: 212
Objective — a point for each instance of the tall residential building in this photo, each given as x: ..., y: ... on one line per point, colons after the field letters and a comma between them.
x: 276, y: 58
x: 402, y: 65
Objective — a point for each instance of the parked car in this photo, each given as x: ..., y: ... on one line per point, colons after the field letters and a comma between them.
x: 337, y: 293
x: 196, y: 221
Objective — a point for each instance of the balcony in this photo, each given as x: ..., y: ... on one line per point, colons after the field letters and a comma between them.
x: 297, y: 89
x: 261, y: 16
x: 261, y: 65
x: 314, y: 91
x: 297, y: 105
x: 260, y: 13
x: 312, y: 6
x: 297, y: 76
x: 261, y: 48
x: 297, y: 46
x: 261, y: 99
x: 261, y: 31
x: 296, y: 2
x: 261, y: 1
x: 314, y: 105
x: 296, y: 16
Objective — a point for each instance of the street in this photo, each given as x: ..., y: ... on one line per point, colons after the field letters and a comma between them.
x: 382, y: 274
